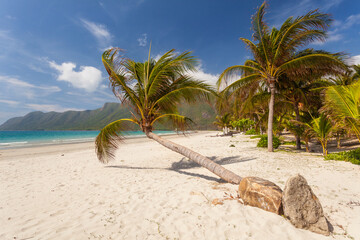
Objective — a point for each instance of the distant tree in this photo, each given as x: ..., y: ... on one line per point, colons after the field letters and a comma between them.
x: 224, y: 122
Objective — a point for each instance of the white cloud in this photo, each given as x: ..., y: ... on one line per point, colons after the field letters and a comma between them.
x: 351, y: 20
x: 99, y: 31
x: 142, y: 40
x: 9, y: 102
x: 203, y: 76
x: 354, y: 60
x: 22, y: 84
x: 333, y: 36
x: 50, y: 108
x: 88, y: 78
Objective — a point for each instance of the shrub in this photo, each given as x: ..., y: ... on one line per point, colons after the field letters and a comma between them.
x: 263, y: 142
x: 251, y: 132
x: 352, y: 156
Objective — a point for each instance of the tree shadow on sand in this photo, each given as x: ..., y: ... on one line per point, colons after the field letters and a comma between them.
x: 185, y: 163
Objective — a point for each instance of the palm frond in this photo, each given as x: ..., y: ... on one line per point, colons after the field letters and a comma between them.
x: 109, y: 137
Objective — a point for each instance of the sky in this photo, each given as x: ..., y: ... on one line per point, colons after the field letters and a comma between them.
x: 50, y: 51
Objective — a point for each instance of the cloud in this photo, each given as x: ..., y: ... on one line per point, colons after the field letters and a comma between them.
x: 88, y: 78
x: 350, y: 21
x: 333, y: 36
x: 50, y: 108
x: 142, y: 40
x: 99, y: 31
x: 11, y: 81
x: 300, y: 8
x: 9, y: 102
x: 200, y: 74
x: 354, y: 60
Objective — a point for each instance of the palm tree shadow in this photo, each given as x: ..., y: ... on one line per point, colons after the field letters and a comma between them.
x: 184, y: 163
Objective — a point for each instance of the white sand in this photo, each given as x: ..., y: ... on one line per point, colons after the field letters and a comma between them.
x: 44, y: 195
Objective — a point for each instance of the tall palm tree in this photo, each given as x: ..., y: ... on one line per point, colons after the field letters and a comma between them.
x: 154, y: 89
x: 274, y: 55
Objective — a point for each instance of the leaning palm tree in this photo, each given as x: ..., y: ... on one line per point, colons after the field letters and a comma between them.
x: 274, y: 55
x: 153, y: 90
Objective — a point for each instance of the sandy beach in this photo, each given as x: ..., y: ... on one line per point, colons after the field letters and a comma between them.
x: 150, y: 192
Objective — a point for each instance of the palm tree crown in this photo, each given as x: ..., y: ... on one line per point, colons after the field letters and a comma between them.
x: 153, y: 90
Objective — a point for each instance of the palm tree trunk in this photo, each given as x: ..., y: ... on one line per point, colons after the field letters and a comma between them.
x: 307, y: 146
x: 297, y: 117
x: 213, y: 167
x: 271, y: 115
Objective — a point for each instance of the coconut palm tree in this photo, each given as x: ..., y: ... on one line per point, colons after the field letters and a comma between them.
x: 153, y: 90
x: 274, y: 55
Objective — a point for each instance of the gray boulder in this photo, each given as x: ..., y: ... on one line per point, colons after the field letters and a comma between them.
x: 302, y: 207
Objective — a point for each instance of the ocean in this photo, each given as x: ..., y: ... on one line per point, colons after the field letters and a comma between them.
x: 16, y: 139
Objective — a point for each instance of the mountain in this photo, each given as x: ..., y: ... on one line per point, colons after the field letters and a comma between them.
x: 201, y: 113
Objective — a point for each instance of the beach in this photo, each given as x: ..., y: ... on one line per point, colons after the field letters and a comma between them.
x: 151, y: 192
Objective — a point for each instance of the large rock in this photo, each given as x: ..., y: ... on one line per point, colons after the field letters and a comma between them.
x: 302, y: 207
x: 261, y: 193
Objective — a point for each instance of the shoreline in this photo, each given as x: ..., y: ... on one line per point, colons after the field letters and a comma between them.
x: 10, y: 153
x: 52, y: 142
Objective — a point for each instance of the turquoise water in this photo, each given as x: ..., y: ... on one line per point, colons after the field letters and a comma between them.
x: 14, y: 139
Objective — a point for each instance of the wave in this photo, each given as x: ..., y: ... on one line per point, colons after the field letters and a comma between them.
x: 12, y: 143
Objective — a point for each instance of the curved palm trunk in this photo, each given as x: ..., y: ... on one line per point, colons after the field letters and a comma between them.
x: 271, y: 115
x: 213, y: 167
x: 297, y: 117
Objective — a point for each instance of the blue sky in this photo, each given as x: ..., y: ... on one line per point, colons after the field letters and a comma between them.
x: 50, y: 51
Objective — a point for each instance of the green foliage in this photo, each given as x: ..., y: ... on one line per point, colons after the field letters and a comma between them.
x: 243, y: 124
x: 223, y: 121
x: 293, y: 143
x: 263, y: 142
x: 256, y: 136
x: 251, y: 132
x: 352, y: 156
x: 343, y: 103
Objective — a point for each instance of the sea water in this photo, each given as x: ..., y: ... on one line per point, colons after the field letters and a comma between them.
x: 15, y: 139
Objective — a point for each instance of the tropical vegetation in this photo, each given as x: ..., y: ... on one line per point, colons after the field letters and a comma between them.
x: 279, y: 58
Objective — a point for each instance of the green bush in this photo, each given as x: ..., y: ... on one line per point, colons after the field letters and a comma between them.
x: 352, y: 156
x: 263, y: 142
x: 251, y: 132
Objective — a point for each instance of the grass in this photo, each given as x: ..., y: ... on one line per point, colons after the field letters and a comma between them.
x: 293, y: 143
x: 352, y: 156
x: 256, y: 136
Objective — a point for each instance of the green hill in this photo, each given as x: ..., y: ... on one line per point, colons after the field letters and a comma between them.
x: 201, y: 113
